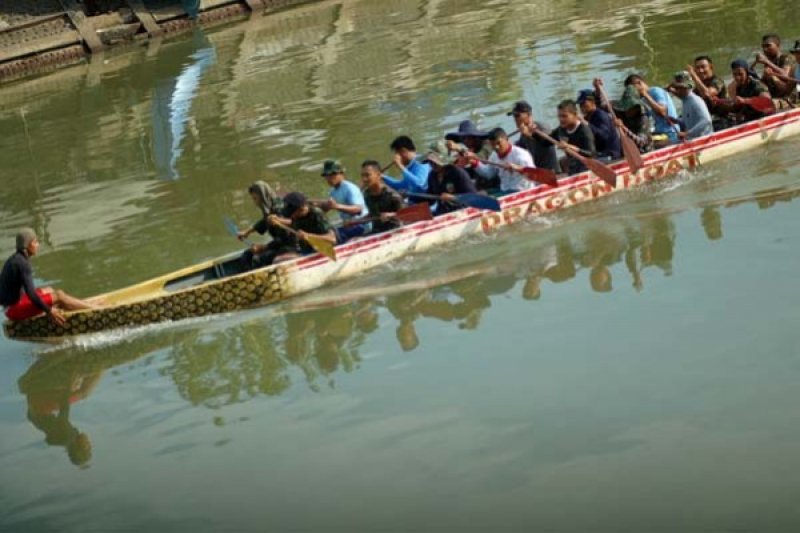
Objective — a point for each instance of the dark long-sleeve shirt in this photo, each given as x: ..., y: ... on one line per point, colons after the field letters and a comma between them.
x: 16, y: 276
x: 544, y: 154
x: 582, y: 138
x: 606, y: 138
x: 454, y: 180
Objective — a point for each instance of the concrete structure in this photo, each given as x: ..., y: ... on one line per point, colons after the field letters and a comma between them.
x: 40, y: 35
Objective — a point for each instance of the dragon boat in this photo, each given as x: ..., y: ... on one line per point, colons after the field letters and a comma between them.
x: 220, y: 286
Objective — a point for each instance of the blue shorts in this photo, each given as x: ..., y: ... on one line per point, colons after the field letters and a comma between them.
x: 350, y: 232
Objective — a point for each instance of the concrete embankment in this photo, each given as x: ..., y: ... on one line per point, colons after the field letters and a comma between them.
x: 41, y: 35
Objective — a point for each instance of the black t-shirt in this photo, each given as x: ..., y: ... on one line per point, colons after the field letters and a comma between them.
x: 454, y: 180
x: 583, y: 138
x: 385, y: 201
x: 277, y: 233
x: 16, y: 276
x: 544, y: 154
x: 313, y: 222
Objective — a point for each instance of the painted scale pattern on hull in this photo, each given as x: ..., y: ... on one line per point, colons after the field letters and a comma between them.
x: 234, y: 294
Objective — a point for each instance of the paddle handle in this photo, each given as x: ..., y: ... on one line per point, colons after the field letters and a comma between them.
x: 570, y: 150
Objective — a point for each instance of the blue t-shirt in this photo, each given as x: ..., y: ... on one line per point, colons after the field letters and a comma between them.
x: 661, y: 124
x: 348, y: 193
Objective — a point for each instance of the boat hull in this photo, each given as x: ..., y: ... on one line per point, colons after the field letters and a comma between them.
x: 149, y: 303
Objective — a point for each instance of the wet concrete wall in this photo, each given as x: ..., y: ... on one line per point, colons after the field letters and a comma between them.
x: 41, y: 35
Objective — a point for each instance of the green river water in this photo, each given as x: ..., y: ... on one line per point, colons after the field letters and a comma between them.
x: 629, y: 365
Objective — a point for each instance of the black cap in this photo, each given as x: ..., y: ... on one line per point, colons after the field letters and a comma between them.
x: 292, y: 202
x: 521, y: 107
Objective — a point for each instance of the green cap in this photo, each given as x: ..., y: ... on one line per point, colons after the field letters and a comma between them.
x: 332, y: 167
x: 682, y: 79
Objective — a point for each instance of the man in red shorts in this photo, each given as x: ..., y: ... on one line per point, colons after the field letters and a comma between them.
x: 18, y: 294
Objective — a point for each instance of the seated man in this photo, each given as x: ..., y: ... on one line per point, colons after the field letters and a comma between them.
x: 662, y: 108
x: 709, y: 87
x: 505, y: 162
x: 696, y: 117
x: 21, y: 298
x: 305, y: 219
x: 382, y: 202
x: 543, y: 153
x: 262, y: 255
x: 745, y: 84
x: 470, y: 139
x: 347, y: 199
x: 633, y: 118
x: 415, y: 174
x: 780, y: 88
x: 573, y: 132
x: 606, y: 138
x: 447, y: 180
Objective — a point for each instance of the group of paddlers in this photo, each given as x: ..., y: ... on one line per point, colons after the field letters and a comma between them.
x: 470, y: 163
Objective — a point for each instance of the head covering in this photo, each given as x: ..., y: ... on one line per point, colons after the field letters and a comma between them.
x: 292, y: 202
x: 24, y: 238
x: 270, y: 202
x: 466, y: 128
x: 585, y: 94
x: 520, y: 107
x: 682, y: 80
x: 630, y: 98
x: 439, y: 155
x: 742, y: 63
x: 331, y: 167
x: 796, y: 48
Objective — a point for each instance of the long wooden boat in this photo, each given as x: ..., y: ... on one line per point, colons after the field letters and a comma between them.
x: 219, y: 286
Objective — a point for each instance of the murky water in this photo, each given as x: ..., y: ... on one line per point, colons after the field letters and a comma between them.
x: 627, y: 365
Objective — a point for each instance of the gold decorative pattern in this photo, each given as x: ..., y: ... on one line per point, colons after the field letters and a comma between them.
x: 233, y: 294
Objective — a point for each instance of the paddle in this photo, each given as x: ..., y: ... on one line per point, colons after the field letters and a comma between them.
x: 539, y: 175
x: 762, y: 104
x: 233, y: 229
x: 632, y: 154
x: 321, y: 245
x: 407, y: 215
x: 602, y: 171
x: 478, y: 201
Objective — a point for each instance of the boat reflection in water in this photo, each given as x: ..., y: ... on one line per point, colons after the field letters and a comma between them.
x: 322, y: 335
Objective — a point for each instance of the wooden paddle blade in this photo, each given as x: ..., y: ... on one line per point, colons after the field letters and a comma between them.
x: 479, y: 201
x: 415, y: 213
x: 541, y: 175
x: 324, y: 247
x: 604, y: 172
x: 632, y: 154
x: 762, y: 104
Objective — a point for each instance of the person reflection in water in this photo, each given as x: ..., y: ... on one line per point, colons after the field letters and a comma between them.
x: 49, y: 404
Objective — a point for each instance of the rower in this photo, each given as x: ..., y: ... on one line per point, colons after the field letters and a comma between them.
x: 415, y: 174
x: 447, y: 180
x: 347, y: 199
x: 18, y: 293
x: 382, y: 202
x: 572, y: 131
x: 543, y: 153
x: 605, y: 134
x: 709, y: 87
x: 633, y: 118
x: 505, y: 153
x: 745, y: 84
x: 696, y: 117
x: 305, y: 219
x: 469, y: 138
x: 269, y: 203
x: 781, y: 89
x: 662, y: 108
